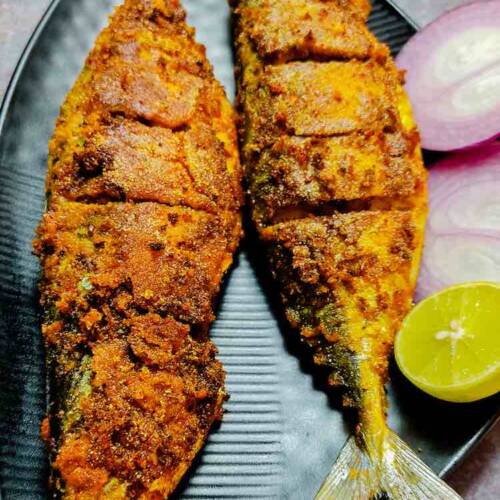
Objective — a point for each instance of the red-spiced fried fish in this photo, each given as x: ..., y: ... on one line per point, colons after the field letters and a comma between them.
x: 142, y: 222
x: 338, y: 193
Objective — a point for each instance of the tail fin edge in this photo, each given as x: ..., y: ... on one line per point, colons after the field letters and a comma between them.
x: 399, y: 475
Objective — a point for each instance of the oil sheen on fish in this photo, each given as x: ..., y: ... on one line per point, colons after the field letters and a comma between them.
x: 338, y: 193
x: 143, y: 190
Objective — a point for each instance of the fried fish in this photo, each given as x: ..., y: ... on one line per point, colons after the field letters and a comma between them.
x: 338, y: 194
x: 144, y: 193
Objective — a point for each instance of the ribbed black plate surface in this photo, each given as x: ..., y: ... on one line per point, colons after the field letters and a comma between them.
x: 281, y: 432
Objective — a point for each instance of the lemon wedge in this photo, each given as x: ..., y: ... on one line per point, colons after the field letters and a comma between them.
x: 449, y: 344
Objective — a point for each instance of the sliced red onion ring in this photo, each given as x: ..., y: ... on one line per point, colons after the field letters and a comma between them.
x: 462, y: 241
x: 453, y: 77
x: 459, y: 258
x: 464, y: 191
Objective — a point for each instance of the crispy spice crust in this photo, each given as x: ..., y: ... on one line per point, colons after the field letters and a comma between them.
x: 344, y: 279
x: 317, y: 171
x: 317, y: 30
x: 146, y: 120
x: 144, y: 196
x: 168, y: 260
x: 336, y: 180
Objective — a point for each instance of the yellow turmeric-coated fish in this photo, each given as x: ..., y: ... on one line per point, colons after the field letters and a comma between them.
x: 338, y: 193
x: 143, y: 217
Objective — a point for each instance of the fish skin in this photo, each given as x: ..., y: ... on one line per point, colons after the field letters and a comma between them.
x: 143, y: 218
x: 337, y: 186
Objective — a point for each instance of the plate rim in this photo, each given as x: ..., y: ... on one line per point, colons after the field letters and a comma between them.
x: 21, y: 62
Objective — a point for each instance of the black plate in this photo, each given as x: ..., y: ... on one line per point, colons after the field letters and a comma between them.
x: 281, y: 432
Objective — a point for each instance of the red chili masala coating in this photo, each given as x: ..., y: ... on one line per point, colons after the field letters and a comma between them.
x: 336, y: 182
x: 143, y: 218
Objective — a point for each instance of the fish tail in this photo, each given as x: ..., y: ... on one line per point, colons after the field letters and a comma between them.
x: 398, y: 474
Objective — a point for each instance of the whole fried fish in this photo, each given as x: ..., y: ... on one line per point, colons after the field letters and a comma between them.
x: 143, y: 218
x: 338, y: 193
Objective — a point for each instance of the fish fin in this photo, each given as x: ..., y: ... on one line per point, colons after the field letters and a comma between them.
x: 398, y: 475
x: 352, y: 475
